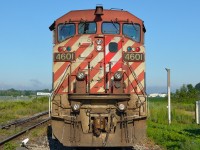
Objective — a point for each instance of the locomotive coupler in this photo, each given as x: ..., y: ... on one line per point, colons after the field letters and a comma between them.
x: 99, y: 125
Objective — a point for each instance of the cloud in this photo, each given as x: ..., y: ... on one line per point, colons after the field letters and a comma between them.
x: 32, y: 84
x: 36, y: 84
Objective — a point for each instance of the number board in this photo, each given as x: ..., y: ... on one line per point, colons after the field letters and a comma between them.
x: 133, y: 57
x: 62, y: 57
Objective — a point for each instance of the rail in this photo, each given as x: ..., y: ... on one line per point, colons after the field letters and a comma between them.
x: 22, y: 132
x: 24, y: 120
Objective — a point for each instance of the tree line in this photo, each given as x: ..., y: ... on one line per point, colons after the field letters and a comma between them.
x: 15, y: 93
x: 187, y: 93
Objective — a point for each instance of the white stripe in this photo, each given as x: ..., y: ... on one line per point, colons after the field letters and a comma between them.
x: 115, y: 39
x: 75, y: 46
x: 138, y: 89
x: 137, y: 71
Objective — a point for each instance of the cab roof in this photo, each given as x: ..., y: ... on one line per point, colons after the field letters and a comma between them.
x: 89, y: 15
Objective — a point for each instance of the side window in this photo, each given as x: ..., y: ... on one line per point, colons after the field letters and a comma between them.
x: 87, y: 28
x: 110, y: 28
x: 132, y: 31
x: 65, y: 31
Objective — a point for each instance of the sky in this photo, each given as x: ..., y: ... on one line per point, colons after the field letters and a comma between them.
x: 171, y: 40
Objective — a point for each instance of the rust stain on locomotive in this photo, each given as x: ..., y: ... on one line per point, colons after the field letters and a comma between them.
x: 99, y: 79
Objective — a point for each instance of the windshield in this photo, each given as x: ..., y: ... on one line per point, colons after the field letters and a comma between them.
x: 65, y: 31
x: 110, y: 28
x: 132, y: 31
x: 87, y: 28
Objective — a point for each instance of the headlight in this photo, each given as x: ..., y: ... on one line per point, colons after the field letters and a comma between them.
x: 80, y: 75
x: 99, y: 47
x: 118, y: 75
x: 121, y: 107
x: 99, y: 41
x: 76, y: 107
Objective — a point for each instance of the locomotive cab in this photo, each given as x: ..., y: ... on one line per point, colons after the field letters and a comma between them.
x: 98, y: 79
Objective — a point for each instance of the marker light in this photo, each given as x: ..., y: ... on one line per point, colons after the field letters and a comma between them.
x: 129, y: 49
x: 80, y: 75
x: 68, y: 48
x: 137, y: 49
x: 121, y: 107
x: 118, y: 75
x: 76, y: 107
x: 61, y: 48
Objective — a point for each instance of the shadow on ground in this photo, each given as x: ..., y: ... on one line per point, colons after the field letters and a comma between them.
x: 56, y: 145
x: 193, y: 132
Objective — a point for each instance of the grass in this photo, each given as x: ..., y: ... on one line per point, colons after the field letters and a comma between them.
x: 35, y: 135
x: 10, y: 110
x: 10, y: 146
x: 183, y: 133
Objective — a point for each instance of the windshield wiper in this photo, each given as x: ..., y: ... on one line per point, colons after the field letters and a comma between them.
x: 115, y: 25
x: 134, y: 26
x: 86, y: 26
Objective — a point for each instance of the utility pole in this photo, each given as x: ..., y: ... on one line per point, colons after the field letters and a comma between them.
x: 169, y: 95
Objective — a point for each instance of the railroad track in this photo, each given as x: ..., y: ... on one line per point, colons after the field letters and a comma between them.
x: 23, y: 120
x: 29, y: 123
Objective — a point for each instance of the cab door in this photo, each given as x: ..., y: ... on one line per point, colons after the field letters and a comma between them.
x: 113, y: 59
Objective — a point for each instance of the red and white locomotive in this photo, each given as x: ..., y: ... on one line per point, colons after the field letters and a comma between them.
x: 98, y: 79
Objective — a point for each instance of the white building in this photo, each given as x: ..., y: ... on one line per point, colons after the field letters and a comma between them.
x: 157, y: 95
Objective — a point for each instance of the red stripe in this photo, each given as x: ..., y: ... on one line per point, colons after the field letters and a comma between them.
x: 62, y: 86
x: 108, y: 39
x: 117, y: 66
x: 59, y: 72
x: 108, y: 57
x: 140, y: 77
x: 84, y: 64
x: 133, y: 66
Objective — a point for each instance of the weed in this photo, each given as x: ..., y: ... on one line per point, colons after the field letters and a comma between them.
x: 10, y: 146
x: 10, y: 110
x: 183, y: 133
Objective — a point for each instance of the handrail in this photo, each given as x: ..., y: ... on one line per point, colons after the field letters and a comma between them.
x: 61, y: 80
x: 137, y: 81
x: 130, y: 81
x: 139, y: 84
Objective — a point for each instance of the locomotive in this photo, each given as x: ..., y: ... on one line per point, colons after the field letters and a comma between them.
x: 99, y: 97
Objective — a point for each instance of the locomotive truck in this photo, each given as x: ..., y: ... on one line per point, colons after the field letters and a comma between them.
x: 99, y: 97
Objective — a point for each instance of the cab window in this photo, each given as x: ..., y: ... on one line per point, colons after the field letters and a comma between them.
x: 87, y: 28
x: 65, y: 31
x: 132, y: 31
x: 110, y: 28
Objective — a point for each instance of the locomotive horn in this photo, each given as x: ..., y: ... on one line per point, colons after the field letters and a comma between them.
x: 99, y: 11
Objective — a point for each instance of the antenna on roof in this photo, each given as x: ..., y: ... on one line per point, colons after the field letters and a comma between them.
x: 116, y: 9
